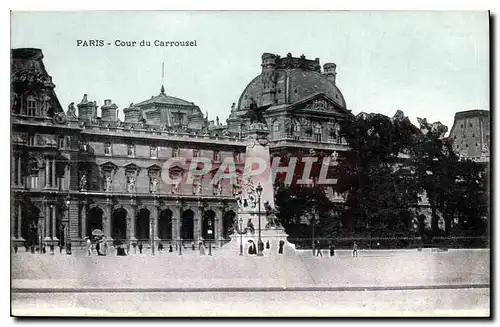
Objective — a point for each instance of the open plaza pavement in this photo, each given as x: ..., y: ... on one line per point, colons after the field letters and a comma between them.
x: 378, y: 282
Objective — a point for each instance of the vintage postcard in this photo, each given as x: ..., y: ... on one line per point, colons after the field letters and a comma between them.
x: 250, y: 164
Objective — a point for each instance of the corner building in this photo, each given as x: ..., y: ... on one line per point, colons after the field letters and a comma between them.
x: 74, y: 171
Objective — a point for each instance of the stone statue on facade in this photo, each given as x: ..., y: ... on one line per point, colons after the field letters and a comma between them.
x: 71, y: 113
x: 154, y: 185
x: 83, y: 182
x: 175, y: 188
x: 108, y: 183
x: 131, y: 184
x: 334, y: 157
x: 197, y: 187
x: 217, y: 188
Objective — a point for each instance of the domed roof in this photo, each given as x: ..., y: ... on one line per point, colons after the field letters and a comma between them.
x: 162, y: 98
x: 293, y: 84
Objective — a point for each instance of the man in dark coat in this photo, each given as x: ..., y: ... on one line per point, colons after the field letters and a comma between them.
x: 280, y: 250
x: 332, y: 250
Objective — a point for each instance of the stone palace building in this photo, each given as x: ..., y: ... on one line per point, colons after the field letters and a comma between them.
x: 73, y: 172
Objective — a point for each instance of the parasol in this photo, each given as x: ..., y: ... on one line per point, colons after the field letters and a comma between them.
x: 97, y: 232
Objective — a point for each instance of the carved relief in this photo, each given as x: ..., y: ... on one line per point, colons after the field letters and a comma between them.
x: 320, y: 105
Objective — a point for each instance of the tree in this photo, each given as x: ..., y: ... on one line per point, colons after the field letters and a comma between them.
x: 380, y: 185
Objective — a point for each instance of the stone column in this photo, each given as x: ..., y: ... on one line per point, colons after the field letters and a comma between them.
x: 13, y: 223
x: 176, y: 215
x: 217, y: 223
x: 20, y: 181
x: 67, y: 176
x: 19, y: 220
x: 53, y: 184
x: 46, y: 172
x: 107, y: 221
x: 132, y: 222
x: 198, y: 218
x: 83, y: 221
x: 47, y: 221
x: 13, y: 170
x: 54, y: 223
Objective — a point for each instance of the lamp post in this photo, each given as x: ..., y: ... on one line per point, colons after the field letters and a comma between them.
x: 260, y: 245
x: 67, y: 239
x: 241, y: 236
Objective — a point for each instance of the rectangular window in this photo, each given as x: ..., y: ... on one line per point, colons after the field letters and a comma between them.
x: 31, y: 106
x: 34, y: 182
x: 31, y: 139
x: 318, y: 137
x: 196, y: 153
x: 60, y: 142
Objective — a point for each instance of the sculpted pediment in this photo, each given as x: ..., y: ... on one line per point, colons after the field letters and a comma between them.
x: 318, y: 103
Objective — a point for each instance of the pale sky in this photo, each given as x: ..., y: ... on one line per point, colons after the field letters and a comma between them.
x: 428, y: 64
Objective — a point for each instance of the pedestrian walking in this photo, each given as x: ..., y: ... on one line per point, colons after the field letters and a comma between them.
x: 98, y: 247
x: 268, y: 246
x: 170, y: 249
x: 192, y: 246
x: 60, y: 248
x: 160, y: 247
x: 89, y: 247
x: 354, y: 250
x: 201, y: 248
x: 318, y: 249
x: 140, y: 247
x: 332, y: 250
x: 280, y: 249
x: 105, y: 252
x: 15, y: 248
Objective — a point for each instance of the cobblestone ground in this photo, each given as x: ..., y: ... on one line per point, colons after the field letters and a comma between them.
x: 406, y: 281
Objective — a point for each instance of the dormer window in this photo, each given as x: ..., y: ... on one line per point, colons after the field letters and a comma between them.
x: 130, y: 150
x: 31, y: 106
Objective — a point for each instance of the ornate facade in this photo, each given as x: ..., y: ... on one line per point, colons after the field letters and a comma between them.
x: 75, y: 171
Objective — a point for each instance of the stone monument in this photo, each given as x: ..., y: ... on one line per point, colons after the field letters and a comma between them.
x: 254, y: 211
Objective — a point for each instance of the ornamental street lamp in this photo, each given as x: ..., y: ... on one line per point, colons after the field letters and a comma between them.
x: 241, y: 236
x: 67, y: 239
x: 260, y: 245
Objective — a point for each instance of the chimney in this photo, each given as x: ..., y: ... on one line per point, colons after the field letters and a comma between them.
x: 268, y: 78
x: 108, y: 111
x: 87, y: 110
x: 330, y: 71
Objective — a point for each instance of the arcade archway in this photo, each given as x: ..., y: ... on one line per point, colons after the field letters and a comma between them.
x: 187, y: 225
x: 165, y: 225
x: 142, y: 225
x: 119, y: 224
x: 94, y: 220
x: 208, y: 232
x: 228, y: 222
